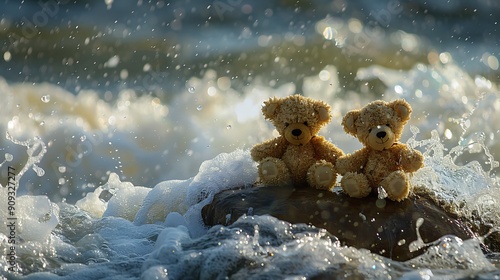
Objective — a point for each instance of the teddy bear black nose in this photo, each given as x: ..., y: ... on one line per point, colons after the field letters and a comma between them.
x: 296, y: 132
x: 381, y: 134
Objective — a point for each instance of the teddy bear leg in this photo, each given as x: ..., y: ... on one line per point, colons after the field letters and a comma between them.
x: 355, y: 185
x: 273, y: 172
x: 321, y: 175
x: 396, y: 185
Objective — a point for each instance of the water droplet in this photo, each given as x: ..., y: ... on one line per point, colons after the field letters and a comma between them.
x: 448, y: 134
x: 42, y: 123
x: 112, y: 62
x: 62, y: 181
x: 199, y: 108
x: 398, y: 89
x: 7, y: 56
x: 109, y: 3
x: 362, y: 216
x: 124, y: 74
x: 8, y: 157
x: 228, y: 127
x: 328, y: 33
x: 380, y: 203
x: 45, y: 98
x: 39, y: 171
x: 62, y: 169
x: 191, y: 89
x: 211, y: 91
x: 381, y: 193
x: 419, y: 243
x: 83, y: 138
x: 224, y: 83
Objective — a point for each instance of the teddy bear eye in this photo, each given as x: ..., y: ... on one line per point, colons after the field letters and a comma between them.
x: 388, y: 125
x: 369, y: 130
x: 305, y: 123
x: 286, y: 124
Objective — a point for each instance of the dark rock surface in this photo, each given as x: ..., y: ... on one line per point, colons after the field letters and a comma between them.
x: 382, y: 226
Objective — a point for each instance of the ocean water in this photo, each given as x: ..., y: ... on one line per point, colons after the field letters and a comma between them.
x: 122, y: 120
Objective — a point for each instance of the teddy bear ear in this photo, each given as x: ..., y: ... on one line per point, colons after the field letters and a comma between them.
x: 270, y: 107
x: 402, y: 108
x: 349, y: 122
x: 324, y: 113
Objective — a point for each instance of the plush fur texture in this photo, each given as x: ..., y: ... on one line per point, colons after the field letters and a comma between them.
x: 298, y: 156
x: 383, y: 161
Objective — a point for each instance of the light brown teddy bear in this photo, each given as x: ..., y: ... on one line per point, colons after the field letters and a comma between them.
x: 298, y: 156
x: 383, y: 161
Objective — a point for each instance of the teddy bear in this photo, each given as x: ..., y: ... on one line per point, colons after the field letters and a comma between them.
x: 298, y: 156
x: 383, y: 161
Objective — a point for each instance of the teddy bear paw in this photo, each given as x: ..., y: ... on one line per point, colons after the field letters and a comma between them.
x: 355, y: 185
x: 269, y: 169
x: 322, y: 176
x: 396, y: 186
x: 273, y: 172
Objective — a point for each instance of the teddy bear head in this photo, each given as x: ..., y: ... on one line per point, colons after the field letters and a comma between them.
x: 296, y: 117
x: 379, y: 124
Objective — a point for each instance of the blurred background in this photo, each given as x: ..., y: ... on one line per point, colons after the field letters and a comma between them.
x: 154, y: 47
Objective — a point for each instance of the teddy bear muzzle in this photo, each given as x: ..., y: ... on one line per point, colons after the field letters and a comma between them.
x: 297, y: 134
x: 381, y: 137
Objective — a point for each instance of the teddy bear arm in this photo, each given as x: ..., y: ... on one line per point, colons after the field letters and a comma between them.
x: 411, y: 160
x: 326, y: 150
x: 271, y: 148
x: 352, y: 162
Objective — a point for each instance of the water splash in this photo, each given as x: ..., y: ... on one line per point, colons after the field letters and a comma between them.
x: 451, y: 252
x: 444, y: 176
x: 419, y: 243
x: 475, y: 143
x: 45, y: 98
x: 36, y: 149
x: 8, y: 158
x: 472, y: 191
x: 381, y: 193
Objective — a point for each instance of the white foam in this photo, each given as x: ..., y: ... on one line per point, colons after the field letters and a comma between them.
x: 92, y: 203
x: 261, y: 246
x: 186, y: 198
x: 226, y: 170
x: 451, y: 252
x: 124, y: 238
x: 164, y: 198
x: 126, y: 199
x: 38, y: 216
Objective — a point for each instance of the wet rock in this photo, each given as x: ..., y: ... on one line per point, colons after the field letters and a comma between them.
x: 382, y: 226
